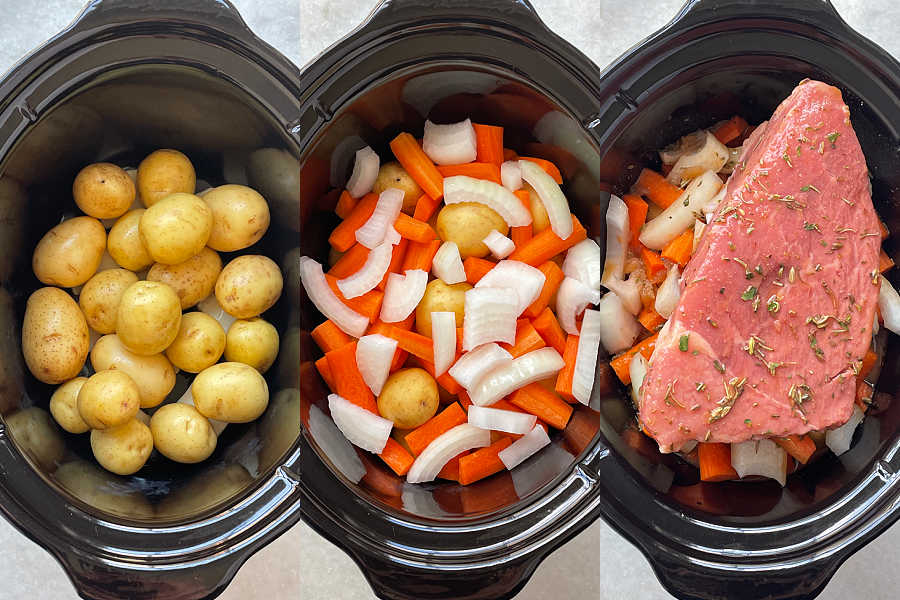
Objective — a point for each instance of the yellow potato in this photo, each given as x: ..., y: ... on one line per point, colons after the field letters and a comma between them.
x: 64, y: 406
x: 240, y: 217
x: 103, y: 190
x: 153, y: 374
x: 467, y: 224
x: 36, y: 435
x: 69, y: 254
x: 100, y: 296
x: 279, y: 427
x: 193, y: 280
x: 176, y: 228
x: 162, y: 173
x: 99, y: 489
x: 125, y: 244
x: 248, y: 286
x: 253, y: 342
x: 108, y: 398
x: 231, y: 392
x: 199, y: 343
x: 440, y: 297
x: 148, y: 318
x: 182, y: 434
x: 392, y: 175
x: 55, y: 338
x: 124, y: 449
x: 409, y: 398
x: 540, y: 220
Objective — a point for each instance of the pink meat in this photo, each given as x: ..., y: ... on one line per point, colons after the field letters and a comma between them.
x: 778, y: 301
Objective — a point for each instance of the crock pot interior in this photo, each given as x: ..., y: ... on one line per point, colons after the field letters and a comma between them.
x: 121, y: 117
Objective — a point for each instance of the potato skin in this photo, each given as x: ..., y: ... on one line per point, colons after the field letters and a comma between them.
x: 69, y: 254
x: 103, y: 191
x: 55, y: 338
x: 240, y: 217
x: 193, y: 280
x: 441, y: 297
x: 149, y: 317
x: 176, y: 228
x: 124, y: 449
x: 108, y: 399
x: 409, y: 398
x: 249, y: 285
x: 231, y: 392
x: 182, y: 434
x: 467, y: 224
x: 36, y: 434
x: 64, y: 406
x: 392, y: 175
x: 153, y: 374
x: 124, y: 243
x: 162, y: 173
x: 100, y: 297
x: 199, y: 343
x: 253, y: 342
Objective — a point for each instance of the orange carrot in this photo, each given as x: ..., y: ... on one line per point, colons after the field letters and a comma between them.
x: 715, y: 462
x: 801, y: 447
x: 459, y: 340
x: 425, y: 207
x: 329, y: 336
x: 476, y: 268
x: 864, y: 393
x: 420, y: 255
x: 414, y: 343
x: 520, y: 235
x: 547, y: 166
x: 553, y: 277
x: 383, y: 328
x: 478, y: 170
x: 548, y: 328
x: 450, y: 471
x: 544, y: 404
x: 885, y: 232
x: 344, y: 235
x: 397, y: 256
x: 414, y: 229
x: 368, y: 305
x: 868, y: 363
x: 489, y: 143
x: 567, y: 374
x: 885, y: 262
x: 419, y: 438
x: 622, y: 362
x: 637, y: 216
x: 348, y: 379
x: 679, y: 250
x: 324, y: 370
x: 656, y: 188
x: 527, y: 339
x: 509, y: 154
x: 650, y: 319
x: 547, y: 244
x: 524, y: 197
x: 396, y: 457
x: 483, y: 462
x: 345, y: 205
x: 652, y: 261
x: 411, y: 156
x: 449, y: 384
x: 730, y: 130
x: 351, y: 261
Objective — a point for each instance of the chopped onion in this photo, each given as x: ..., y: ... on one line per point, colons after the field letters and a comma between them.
x: 759, y: 457
x: 586, y: 358
x: 402, y: 294
x: 374, y: 354
x: 699, y: 226
x: 318, y: 290
x: 447, y: 445
x: 629, y: 292
x: 638, y: 370
x: 838, y: 440
x: 618, y: 327
x: 709, y: 155
x: 447, y: 264
x: 617, y: 233
x: 889, y: 305
x: 734, y: 157
x: 524, y: 447
x: 511, y: 175
x: 365, y: 172
x: 571, y: 299
x: 375, y: 230
x: 499, y: 245
x: 361, y: 428
x: 443, y: 336
x: 506, y: 379
x: 370, y: 274
x: 669, y: 224
x: 496, y: 419
x: 460, y: 188
x: 533, y: 475
x: 710, y: 209
x: 210, y: 305
x: 490, y: 316
x: 551, y: 196
x: 188, y: 398
x: 473, y: 365
x: 668, y: 294
x: 526, y: 280
x: 341, y: 156
x: 452, y: 144
x: 334, y: 445
x: 583, y: 262
x: 687, y: 143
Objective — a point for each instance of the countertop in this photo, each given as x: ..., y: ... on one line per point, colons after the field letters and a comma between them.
x: 598, y: 563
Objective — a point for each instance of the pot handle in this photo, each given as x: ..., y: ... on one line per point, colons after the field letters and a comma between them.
x: 820, y: 13
x: 220, y: 15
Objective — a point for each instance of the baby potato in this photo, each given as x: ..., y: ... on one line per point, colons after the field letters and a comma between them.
x: 232, y: 392
x: 409, y: 398
x: 182, y: 434
x: 392, y: 175
x: 100, y: 296
x: 55, y: 338
x: 162, y: 173
x: 64, y: 406
x: 124, y: 449
x: 97, y: 488
x: 440, y: 297
x: 149, y: 317
x: 193, y: 280
x: 253, y: 342
x: 69, y: 254
x: 176, y: 228
x: 153, y: 374
x: 108, y: 398
x: 125, y: 244
x: 467, y: 224
x: 36, y: 435
x: 540, y: 220
x: 199, y: 343
x: 240, y: 217
x: 103, y: 190
x: 248, y: 286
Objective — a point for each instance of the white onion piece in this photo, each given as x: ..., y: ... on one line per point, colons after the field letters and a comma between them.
x: 875, y: 324
x: 452, y: 144
x: 375, y: 230
x: 361, y: 428
x: 709, y: 210
x: 506, y: 379
x: 473, y: 365
x: 443, y: 336
x: 571, y: 299
x: 460, y: 188
x: 210, y: 305
x: 447, y: 264
x: 669, y: 224
x: 499, y: 245
x: 668, y: 294
x: 617, y: 235
x: 365, y: 172
x: 447, y: 445
x: 188, y: 398
x: 629, y: 292
x: 685, y: 144
x: 526, y: 280
x: 699, y: 226
x: 586, y: 358
x: 496, y: 419
x: 889, y: 304
x: 511, y: 175
x: 402, y: 294
x: 710, y: 155
x: 838, y: 440
x: 341, y: 156
x: 490, y: 316
x: 759, y: 457
x: 637, y: 368
x: 334, y: 445
x: 370, y: 274
x: 374, y: 354
x: 551, y: 196
x: 618, y: 327
x: 318, y: 290
x: 524, y: 447
x: 583, y: 262
x: 688, y: 446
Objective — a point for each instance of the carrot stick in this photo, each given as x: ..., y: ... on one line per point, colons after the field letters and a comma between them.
x: 397, y: 256
x: 637, y: 216
x: 324, y: 370
x: 885, y: 232
x: 868, y: 363
x: 524, y: 197
x: 425, y: 207
x: 459, y: 340
x: 567, y: 374
x: 420, y: 255
x: 411, y: 156
x: 368, y: 305
x: 553, y: 278
x: 622, y: 362
x: 414, y: 229
x: 351, y: 261
x: 344, y: 235
x: 547, y: 244
x: 548, y: 327
x: 445, y: 381
x: 715, y: 462
x: 509, y: 154
x: 345, y: 204
x: 347, y: 378
x: 650, y: 319
x: 483, y: 462
x: 419, y: 438
x: 547, y: 166
x: 381, y: 327
x: 414, y: 343
x: 544, y: 404
x: 863, y: 394
x: 801, y: 447
x: 527, y: 339
x: 489, y: 143
x: 652, y: 261
x: 659, y: 191
x: 730, y: 130
x: 450, y: 471
x: 478, y: 170
x: 679, y: 249
x: 885, y: 262
x: 329, y: 336
x: 520, y: 235
x: 476, y: 268
x: 396, y: 457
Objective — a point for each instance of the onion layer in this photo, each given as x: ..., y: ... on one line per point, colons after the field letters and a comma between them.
x: 617, y: 233
x: 374, y: 354
x: 583, y: 263
x: 629, y: 292
x: 668, y: 294
x: 839, y: 439
x: 402, y: 294
x: 889, y: 304
x: 443, y: 336
x: 473, y: 365
x: 506, y: 379
x: 499, y: 245
x: 524, y: 447
x: 318, y: 290
x: 460, y: 188
x: 452, y: 144
x: 638, y: 370
x: 375, y: 230
x: 496, y: 419
x: 618, y: 327
x: 335, y: 446
x: 490, y: 316
x: 447, y: 445
x: 586, y: 359
x: 447, y: 264
x: 571, y: 299
x: 708, y: 154
x: 511, y: 175
x: 526, y: 280
x: 370, y: 274
x: 759, y: 457
x: 365, y: 172
x: 669, y: 224
x: 551, y: 196
x: 361, y: 427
